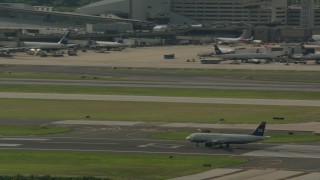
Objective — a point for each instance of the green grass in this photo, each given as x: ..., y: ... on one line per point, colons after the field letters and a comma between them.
x: 31, y: 130
x: 174, y: 92
x: 263, y: 75
x: 117, y: 166
x: 54, y: 76
x: 154, y: 112
x: 275, y: 138
x: 180, y: 135
x: 243, y: 71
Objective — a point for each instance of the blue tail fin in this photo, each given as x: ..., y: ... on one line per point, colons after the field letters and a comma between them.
x: 120, y: 39
x: 217, y: 50
x: 304, y: 51
x: 65, y: 38
x: 260, y: 129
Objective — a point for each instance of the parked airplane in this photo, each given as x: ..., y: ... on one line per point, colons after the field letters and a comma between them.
x: 6, y: 52
x: 41, y: 48
x: 308, y: 53
x: 109, y: 45
x: 225, y: 40
x: 213, y: 139
x: 315, y: 38
x: 242, y: 56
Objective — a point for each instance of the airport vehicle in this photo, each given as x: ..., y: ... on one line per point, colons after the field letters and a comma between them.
x: 213, y: 139
x: 118, y: 45
x: 43, y: 48
x: 225, y: 40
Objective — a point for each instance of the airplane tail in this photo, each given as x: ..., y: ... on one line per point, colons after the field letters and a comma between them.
x: 217, y: 50
x: 120, y: 39
x: 65, y: 38
x: 303, y: 49
x: 243, y: 35
x: 260, y: 129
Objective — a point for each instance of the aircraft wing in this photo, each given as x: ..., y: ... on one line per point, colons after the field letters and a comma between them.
x: 8, y: 49
x: 214, y: 142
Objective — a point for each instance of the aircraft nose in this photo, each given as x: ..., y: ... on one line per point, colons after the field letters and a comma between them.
x: 188, y: 138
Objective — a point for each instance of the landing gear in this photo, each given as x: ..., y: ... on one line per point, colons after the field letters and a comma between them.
x: 197, y: 145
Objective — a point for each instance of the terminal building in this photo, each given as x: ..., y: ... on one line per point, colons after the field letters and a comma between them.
x: 180, y: 12
x: 190, y: 11
x: 270, y: 19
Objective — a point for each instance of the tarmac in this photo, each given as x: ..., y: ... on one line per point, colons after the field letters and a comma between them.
x: 149, y: 57
x: 127, y: 98
x: 252, y: 174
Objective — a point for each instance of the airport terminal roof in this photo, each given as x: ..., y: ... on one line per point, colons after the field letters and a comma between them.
x: 99, y: 3
x: 69, y: 14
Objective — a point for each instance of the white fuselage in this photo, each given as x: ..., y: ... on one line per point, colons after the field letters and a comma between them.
x: 43, y: 45
x: 316, y: 37
x: 229, y: 40
x: 108, y: 45
x: 224, y: 138
x: 245, y: 56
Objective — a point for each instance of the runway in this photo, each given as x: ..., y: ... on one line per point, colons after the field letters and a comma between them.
x: 131, y: 140
x: 128, y: 98
x: 214, y: 83
x: 157, y: 146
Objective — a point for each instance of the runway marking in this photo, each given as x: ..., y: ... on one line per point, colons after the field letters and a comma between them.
x: 104, y: 123
x: 166, y: 146
x: 167, y: 99
x: 24, y: 139
x: 10, y: 145
x: 80, y: 143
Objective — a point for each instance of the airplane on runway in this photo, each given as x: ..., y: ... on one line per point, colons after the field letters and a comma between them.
x: 225, y: 40
x: 109, y: 45
x: 213, y: 139
x: 42, y: 48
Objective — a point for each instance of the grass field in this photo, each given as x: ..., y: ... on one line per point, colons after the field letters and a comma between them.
x: 31, y: 130
x: 154, y: 112
x: 174, y: 92
x: 290, y: 76
x: 117, y: 166
x: 54, y: 76
x: 275, y: 138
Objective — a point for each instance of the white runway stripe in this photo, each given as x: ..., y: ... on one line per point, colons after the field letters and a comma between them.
x: 23, y: 139
x: 9, y: 145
